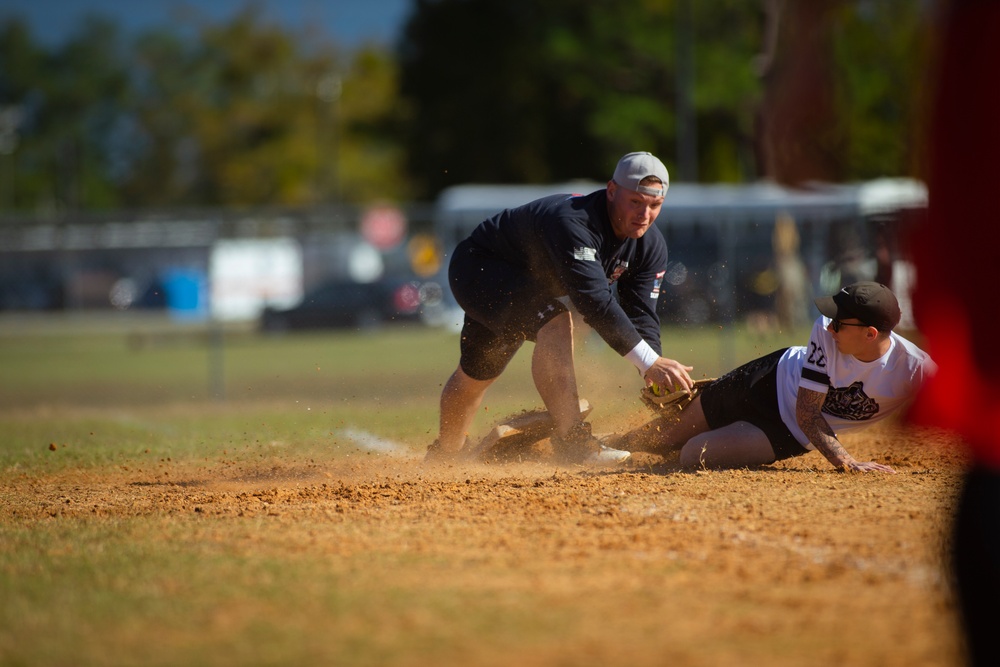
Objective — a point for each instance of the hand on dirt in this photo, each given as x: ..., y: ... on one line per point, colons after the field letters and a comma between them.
x: 868, y: 466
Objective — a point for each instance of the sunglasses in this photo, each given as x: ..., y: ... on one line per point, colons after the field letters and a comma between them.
x: 836, y: 324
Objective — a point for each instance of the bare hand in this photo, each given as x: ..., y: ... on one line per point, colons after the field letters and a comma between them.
x: 670, y: 375
x: 868, y: 466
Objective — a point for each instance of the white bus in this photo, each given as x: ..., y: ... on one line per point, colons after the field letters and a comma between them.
x: 731, y: 246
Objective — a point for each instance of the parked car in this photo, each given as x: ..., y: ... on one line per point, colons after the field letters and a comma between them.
x: 351, y: 305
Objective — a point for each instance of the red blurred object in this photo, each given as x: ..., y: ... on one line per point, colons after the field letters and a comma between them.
x: 956, y: 251
x: 407, y: 298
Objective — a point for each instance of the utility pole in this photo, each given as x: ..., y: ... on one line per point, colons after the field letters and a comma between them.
x: 10, y: 120
x: 328, y: 92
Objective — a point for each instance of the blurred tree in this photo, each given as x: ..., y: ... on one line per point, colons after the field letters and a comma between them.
x: 240, y: 114
x: 479, y: 96
x: 843, y: 81
x: 68, y: 103
x: 21, y: 65
x: 169, y: 89
x: 370, y: 154
x: 882, y: 56
x: 801, y: 138
x: 728, y: 35
x: 247, y: 116
x: 231, y: 119
x: 516, y: 91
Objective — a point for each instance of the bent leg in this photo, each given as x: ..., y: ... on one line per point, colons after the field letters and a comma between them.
x: 553, y: 372
x: 460, y: 399
x: 738, y: 445
x: 663, y: 435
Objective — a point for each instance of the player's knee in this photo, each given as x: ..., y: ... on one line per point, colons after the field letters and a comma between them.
x: 739, y: 448
x: 694, y: 453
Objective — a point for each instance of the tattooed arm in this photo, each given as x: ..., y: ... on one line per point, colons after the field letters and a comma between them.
x: 808, y: 413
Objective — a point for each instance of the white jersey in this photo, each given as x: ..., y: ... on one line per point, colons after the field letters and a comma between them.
x: 858, y: 393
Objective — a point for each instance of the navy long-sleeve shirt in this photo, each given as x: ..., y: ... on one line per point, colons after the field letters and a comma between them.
x: 568, y: 246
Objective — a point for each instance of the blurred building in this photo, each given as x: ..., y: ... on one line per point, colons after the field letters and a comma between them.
x: 754, y: 252
x: 733, y: 248
x: 195, y: 265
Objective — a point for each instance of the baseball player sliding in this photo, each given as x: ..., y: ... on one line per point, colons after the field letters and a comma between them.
x: 854, y: 372
x: 515, y: 277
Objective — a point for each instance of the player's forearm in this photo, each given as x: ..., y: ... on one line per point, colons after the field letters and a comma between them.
x: 810, y: 418
x: 830, y: 447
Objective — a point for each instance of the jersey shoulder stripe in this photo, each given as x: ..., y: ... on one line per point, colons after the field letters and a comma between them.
x: 815, y: 376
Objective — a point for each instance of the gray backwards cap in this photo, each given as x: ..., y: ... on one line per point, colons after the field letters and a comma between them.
x: 634, y: 167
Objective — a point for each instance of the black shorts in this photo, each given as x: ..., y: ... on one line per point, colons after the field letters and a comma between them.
x: 504, y: 306
x: 750, y: 394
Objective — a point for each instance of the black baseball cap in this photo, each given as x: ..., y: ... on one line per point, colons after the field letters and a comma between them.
x: 872, y: 303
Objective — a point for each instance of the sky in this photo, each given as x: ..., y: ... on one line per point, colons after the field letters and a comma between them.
x: 350, y: 23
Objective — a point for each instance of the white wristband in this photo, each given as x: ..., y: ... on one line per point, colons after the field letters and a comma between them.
x: 642, y: 356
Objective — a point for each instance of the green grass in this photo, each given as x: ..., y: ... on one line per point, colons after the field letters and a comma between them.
x: 96, y: 418
x: 180, y: 597
x: 102, y: 397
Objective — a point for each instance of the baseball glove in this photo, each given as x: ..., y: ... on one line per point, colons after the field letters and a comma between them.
x: 671, y: 404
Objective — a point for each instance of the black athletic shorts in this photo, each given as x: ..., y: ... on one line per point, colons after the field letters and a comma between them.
x: 504, y: 306
x: 750, y: 394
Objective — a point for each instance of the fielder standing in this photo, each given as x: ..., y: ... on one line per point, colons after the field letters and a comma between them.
x: 854, y: 372
x: 518, y: 272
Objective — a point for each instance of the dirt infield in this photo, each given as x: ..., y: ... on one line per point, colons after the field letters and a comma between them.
x: 532, y: 564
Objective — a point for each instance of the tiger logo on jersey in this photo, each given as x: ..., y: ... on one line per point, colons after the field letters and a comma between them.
x: 850, y: 403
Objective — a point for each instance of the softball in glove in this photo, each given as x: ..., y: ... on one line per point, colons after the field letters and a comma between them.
x: 671, y: 404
